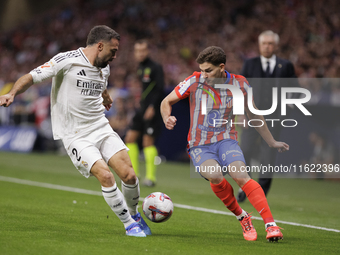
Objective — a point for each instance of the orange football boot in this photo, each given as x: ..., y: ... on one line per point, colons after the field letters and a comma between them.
x: 274, y: 234
x: 249, y: 232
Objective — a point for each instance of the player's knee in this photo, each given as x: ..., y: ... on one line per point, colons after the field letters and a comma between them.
x: 106, y: 178
x: 216, y: 180
x: 129, y: 177
x: 107, y: 175
x: 241, y: 181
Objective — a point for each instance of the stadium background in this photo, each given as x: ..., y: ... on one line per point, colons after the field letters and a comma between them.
x: 41, y: 209
x: 34, y: 31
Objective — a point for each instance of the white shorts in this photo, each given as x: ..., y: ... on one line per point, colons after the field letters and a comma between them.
x: 86, y: 149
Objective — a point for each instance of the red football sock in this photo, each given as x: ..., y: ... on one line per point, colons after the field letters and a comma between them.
x: 225, y: 192
x: 258, y: 199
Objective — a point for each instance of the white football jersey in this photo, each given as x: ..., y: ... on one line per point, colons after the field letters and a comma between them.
x: 76, y: 96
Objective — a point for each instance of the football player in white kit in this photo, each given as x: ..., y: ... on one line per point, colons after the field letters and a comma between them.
x: 78, y: 99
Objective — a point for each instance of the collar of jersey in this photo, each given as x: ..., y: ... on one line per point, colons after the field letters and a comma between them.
x: 228, y: 77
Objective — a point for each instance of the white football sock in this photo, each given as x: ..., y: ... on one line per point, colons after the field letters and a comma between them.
x: 244, y: 213
x: 270, y: 224
x: 131, y: 193
x: 115, y: 199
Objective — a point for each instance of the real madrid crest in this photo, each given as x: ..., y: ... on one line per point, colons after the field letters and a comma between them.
x: 85, y: 164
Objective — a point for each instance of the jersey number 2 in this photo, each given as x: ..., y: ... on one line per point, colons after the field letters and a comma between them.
x: 75, y: 152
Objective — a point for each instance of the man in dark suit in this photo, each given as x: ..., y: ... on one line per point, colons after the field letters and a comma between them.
x: 263, y: 74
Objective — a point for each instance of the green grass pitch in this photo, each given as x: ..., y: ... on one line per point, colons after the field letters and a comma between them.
x: 37, y: 220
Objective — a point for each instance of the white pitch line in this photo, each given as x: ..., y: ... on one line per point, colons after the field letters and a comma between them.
x: 201, y: 209
x: 49, y: 186
x: 98, y: 193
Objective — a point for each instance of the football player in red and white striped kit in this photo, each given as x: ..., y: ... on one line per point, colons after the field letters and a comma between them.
x: 213, y: 143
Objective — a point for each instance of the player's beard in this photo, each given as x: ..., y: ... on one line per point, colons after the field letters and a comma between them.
x: 100, y: 63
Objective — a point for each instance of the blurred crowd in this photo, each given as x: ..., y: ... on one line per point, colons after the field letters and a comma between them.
x: 177, y: 30
x: 309, y: 34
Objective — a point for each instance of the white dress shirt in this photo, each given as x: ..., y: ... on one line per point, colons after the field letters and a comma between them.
x: 272, y: 63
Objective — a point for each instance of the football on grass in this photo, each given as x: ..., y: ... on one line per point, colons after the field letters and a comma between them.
x: 158, y: 207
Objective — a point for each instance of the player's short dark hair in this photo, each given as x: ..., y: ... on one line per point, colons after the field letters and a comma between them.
x: 142, y: 41
x: 101, y: 33
x: 213, y: 54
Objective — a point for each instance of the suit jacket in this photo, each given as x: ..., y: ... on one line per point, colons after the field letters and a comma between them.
x: 252, y: 68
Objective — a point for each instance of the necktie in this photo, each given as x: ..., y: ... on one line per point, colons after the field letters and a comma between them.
x: 268, y: 70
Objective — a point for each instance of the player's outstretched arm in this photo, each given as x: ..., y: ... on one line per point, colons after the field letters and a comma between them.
x: 20, y: 86
x: 265, y: 133
x: 166, y: 108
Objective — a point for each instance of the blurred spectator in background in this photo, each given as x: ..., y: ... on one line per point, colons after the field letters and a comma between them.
x: 309, y: 31
x: 147, y: 121
x: 265, y: 66
x: 5, y: 114
x: 122, y: 115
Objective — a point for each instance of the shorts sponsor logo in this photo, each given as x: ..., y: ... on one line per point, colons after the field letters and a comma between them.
x: 198, y: 158
x: 233, y: 151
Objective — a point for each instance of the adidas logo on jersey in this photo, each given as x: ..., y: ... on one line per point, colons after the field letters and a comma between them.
x: 82, y: 73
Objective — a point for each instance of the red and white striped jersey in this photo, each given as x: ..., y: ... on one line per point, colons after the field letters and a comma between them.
x: 204, y: 129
